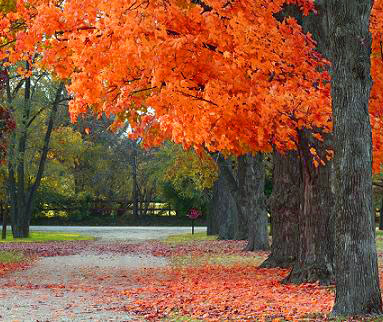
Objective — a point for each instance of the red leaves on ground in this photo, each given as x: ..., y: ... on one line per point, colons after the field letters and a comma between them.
x: 215, y: 292
x: 60, y: 248
x: 155, y: 248
x: 11, y: 267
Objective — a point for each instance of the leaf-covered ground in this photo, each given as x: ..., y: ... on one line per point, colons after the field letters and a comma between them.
x: 213, y: 292
x: 191, y: 280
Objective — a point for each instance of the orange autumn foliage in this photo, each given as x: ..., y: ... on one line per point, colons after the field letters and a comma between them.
x: 220, y: 74
x: 224, y: 75
x: 376, y: 98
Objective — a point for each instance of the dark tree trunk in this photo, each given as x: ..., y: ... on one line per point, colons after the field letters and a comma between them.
x: 315, y: 260
x: 22, y: 198
x: 357, y: 280
x: 284, y: 204
x: 20, y: 220
x: 21, y: 227
x: 381, y: 216
x: 134, y: 180
x: 3, y: 211
x: 213, y: 215
x: 223, y: 210
x: 251, y: 198
x: 236, y: 222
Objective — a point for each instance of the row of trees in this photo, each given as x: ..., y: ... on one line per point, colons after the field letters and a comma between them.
x: 236, y: 78
x: 83, y: 171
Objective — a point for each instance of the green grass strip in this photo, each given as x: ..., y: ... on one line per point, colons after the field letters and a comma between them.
x: 8, y: 257
x: 44, y: 236
x: 189, y: 237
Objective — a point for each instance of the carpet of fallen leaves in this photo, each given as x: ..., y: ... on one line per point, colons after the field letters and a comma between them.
x: 215, y: 292
x: 155, y: 248
x: 194, y: 289
x: 11, y: 267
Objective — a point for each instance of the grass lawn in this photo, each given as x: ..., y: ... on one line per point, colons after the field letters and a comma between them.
x: 8, y: 257
x: 39, y: 236
x: 188, y: 237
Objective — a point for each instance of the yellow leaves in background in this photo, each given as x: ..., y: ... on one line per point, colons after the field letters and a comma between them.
x: 184, y: 165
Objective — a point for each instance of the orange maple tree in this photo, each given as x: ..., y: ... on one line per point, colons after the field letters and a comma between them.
x: 220, y: 74
x: 225, y: 75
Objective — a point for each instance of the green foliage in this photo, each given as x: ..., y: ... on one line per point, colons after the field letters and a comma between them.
x: 182, y: 204
x: 39, y: 236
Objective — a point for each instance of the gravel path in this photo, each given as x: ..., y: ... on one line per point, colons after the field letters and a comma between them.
x: 121, y: 233
x: 80, y: 287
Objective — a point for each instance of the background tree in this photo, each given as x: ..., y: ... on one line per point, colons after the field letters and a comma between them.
x: 284, y: 206
x: 22, y: 188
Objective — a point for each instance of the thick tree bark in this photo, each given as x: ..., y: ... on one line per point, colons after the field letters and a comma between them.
x: 251, y: 198
x: 247, y: 192
x: 284, y: 204
x: 235, y: 217
x: 212, y: 216
x: 223, y: 210
x: 357, y: 280
x: 315, y: 260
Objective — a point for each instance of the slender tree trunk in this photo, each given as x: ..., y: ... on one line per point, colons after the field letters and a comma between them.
x: 315, y: 260
x: 357, y: 279
x: 251, y: 197
x: 20, y: 221
x: 381, y: 216
x: 134, y: 180
x: 4, y: 215
x: 21, y: 198
x: 284, y: 204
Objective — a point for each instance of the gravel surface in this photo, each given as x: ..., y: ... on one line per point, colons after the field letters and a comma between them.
x: 85, y: 285
x: 121, y: 233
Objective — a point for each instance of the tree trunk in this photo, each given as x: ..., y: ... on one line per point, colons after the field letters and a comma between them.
x: 134, y: 180
x: 212, y: 216
x: 381, y: 216
x: 251, y: 198
x: 3, y: 211
x: 315, y: 260
x: 21, y: 224
x: 224, y: 210
x: 21, y: 198
x: 357, y: 280
x: 20, y: 218
x: 236, y: 221
x: 284, y: 204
